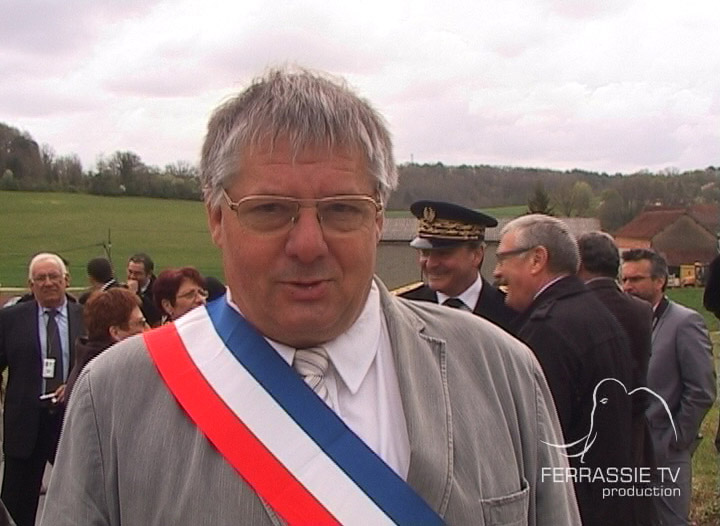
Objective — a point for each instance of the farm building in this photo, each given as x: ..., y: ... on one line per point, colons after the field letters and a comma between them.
x: 686, y: 237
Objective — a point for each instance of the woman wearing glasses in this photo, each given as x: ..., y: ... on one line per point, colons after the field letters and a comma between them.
x: 177, y: 291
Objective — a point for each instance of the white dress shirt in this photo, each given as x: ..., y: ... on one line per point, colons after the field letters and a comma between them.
x: 469, y: 297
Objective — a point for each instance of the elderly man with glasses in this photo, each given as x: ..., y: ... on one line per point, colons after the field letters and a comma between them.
x: 583, y: 351
x: 309, y: 394
x: 36, y: 347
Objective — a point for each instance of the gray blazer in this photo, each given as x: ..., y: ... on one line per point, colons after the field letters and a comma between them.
x: 475, y: 401
x: 680, y: 371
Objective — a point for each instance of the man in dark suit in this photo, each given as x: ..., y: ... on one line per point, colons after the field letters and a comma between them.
x: 140, y: 279
x: 681, y: 372
x: 582, y: 350
x: 36, y: 345
x: 451, y: 249
x: 599, y: 268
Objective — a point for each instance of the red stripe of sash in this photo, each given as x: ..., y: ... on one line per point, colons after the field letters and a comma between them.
x: 237, y: 444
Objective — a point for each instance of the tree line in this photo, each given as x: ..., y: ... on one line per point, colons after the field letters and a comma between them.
x: 614, y: 199
x: 24, y: 165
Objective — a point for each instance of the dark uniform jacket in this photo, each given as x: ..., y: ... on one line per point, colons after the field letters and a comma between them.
x: 580, y: 345
x: 490, y: 304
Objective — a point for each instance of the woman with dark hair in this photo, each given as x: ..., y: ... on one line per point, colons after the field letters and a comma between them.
x: 110, y: 316
x: 177, y: 291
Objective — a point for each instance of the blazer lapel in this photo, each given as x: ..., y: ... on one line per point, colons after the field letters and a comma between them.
x: 420, y: 363
x: 35, y: 328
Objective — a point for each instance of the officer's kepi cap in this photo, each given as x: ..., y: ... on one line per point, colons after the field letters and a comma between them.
x: 443, y: 225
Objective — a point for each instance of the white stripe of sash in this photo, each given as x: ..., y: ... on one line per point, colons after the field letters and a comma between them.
x: 280, y: 434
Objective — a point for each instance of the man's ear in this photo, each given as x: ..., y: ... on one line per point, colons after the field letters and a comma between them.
x: 478, y: 256
x: 538, y: 259
x: 379, y: 222
x: 214, y: 219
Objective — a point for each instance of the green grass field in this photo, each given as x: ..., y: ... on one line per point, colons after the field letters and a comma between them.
x: 76, y: 226
x: 174, y: 233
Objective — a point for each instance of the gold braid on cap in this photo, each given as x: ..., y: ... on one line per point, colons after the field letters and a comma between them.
x: 431, y: 226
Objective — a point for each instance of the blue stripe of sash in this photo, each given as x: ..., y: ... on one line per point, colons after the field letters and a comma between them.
x: 392, y: 494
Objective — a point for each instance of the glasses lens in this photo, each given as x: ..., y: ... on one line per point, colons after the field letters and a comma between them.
x: 345, y: 215
x: 42, y: 277
x: 266, y: 214
x: 190, y: 295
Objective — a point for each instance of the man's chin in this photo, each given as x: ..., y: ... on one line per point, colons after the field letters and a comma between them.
x: 306, y: 325
x: 436, y: 283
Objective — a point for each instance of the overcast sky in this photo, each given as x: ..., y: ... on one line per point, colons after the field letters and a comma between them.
x: 602, y: 85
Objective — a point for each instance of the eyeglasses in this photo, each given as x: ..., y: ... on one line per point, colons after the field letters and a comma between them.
x: 190, y: 295
x: 40, y: 278
x: 138, y: 323
x: 337, y: 214
x: 502, y: 256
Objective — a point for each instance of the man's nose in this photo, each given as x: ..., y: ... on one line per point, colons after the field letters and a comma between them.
x: 496, y: 272
x: 306, y: 240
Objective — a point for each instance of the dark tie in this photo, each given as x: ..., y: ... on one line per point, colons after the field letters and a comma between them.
x: 455, y: 303
x: 54, y: 350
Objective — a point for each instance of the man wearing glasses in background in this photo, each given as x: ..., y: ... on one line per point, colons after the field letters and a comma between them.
x: 681, y: 371
x: 310, y: 395
x: 36, y: 345
x: 579, y: 345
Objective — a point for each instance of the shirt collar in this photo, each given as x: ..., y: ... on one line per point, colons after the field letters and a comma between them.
x: 353, y: 352
x: 469, y: 297
x: 60, y: 310
x: 549, y: 284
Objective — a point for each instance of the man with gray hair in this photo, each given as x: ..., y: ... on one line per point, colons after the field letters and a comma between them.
x: 37, y: 339
x: 308, y: 394
x: 582, y: 350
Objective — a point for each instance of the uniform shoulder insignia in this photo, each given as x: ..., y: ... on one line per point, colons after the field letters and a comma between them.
x: 407, y: 289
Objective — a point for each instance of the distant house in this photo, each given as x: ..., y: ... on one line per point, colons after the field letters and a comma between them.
x: 397, y: 260
x: 684, y: 236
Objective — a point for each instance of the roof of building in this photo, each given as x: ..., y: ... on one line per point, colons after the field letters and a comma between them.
x: 648, y: 224
x: 708, y: 215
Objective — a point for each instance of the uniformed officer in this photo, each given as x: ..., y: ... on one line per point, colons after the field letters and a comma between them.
x: 451, y: 249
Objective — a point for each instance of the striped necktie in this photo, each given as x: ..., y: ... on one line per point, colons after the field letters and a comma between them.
x: 312, y: 364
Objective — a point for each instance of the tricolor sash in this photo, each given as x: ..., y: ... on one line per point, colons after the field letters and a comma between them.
x: 285, y: 442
